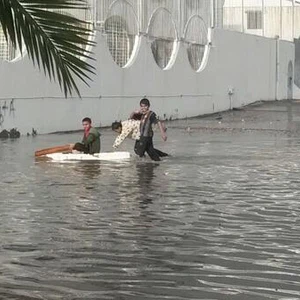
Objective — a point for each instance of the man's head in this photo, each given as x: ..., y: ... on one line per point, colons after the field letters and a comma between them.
x: 144, y: 105
x: 86, y: 123
x: 117, y: 127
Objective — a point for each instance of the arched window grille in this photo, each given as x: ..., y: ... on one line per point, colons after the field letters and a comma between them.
x: 121, y: 30
x: 7, y: 51
x: 82, y: 14
x: 163, y: 37
x: 196, y: 39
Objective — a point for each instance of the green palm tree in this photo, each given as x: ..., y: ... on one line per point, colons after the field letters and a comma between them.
x: 55, y: 41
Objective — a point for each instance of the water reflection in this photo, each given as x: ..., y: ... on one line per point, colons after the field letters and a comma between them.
x: 145, y: 172
x: 90, y: 170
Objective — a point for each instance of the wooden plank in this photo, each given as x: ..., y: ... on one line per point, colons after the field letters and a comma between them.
x: 55, y: 149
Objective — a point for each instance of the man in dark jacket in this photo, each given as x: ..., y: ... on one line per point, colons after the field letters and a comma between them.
x: 147, y: 119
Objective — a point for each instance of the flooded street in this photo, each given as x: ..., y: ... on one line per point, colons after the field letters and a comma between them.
x: 218, y: 219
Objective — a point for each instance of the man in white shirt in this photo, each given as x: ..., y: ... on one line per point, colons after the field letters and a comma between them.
x: 129, y: 128
x: 126, y: 128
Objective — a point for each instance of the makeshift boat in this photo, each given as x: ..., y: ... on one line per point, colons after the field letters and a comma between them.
x: 104, y: 156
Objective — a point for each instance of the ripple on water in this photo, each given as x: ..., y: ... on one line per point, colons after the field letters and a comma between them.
x: 218, y: 220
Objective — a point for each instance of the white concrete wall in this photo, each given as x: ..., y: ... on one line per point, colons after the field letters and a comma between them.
x: 244, y: 63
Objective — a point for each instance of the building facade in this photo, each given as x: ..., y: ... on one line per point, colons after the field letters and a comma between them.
x: 188, y: 57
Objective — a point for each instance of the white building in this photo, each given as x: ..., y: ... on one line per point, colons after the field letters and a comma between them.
x: 270, y: 18
x: 178, y: 53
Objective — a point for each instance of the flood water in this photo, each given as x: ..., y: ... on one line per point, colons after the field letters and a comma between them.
x: 219, y: 219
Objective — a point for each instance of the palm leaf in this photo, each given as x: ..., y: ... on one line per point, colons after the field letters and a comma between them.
x: 55, y: 42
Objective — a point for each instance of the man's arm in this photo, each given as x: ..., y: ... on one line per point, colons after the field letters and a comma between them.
x: 121, y: 137
x: 155, y: 120
x: 162, y: 130
x: 136, y: 115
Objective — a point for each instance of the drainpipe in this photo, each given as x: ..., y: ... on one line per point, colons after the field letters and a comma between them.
x: 281, y: 20
x: 95, y: 11
x: 243, y: 17
x: 293, y: 29
x: 263, y: 17
x: 277, y: 68
x: 180, y: 26
x: 140, y: 17
x: 212, y: 11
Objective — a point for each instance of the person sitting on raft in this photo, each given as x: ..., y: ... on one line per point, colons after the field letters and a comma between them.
x: 91, y: 139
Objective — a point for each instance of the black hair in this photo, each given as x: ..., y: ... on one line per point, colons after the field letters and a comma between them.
x: 116, y: 125
x: 145, y: 101
x: 87, y: 119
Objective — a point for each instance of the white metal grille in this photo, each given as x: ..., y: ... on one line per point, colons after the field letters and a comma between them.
x: 196, y: 41
x: 195, y: 7
x: 7, y: 51
x: 103, y: 9
x: 162, y: 35
x: 82, y: 14
x: 120, y: 42
x: 254, y: 19
x: 162, y: 21
x: 150, y: 7
x: 269, y: 18
x: 121, y: 29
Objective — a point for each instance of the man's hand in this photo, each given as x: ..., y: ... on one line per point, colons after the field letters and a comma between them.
x: 135, y: 112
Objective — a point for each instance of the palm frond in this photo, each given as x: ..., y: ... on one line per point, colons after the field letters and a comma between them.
x: 54, y: 41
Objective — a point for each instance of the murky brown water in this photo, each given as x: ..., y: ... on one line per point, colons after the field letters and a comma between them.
x: 220, y: 219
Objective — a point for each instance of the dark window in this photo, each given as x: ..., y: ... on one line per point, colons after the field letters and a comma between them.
x: 254, y: 19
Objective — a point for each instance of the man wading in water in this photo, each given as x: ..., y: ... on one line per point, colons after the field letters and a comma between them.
x: 147, y: 119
